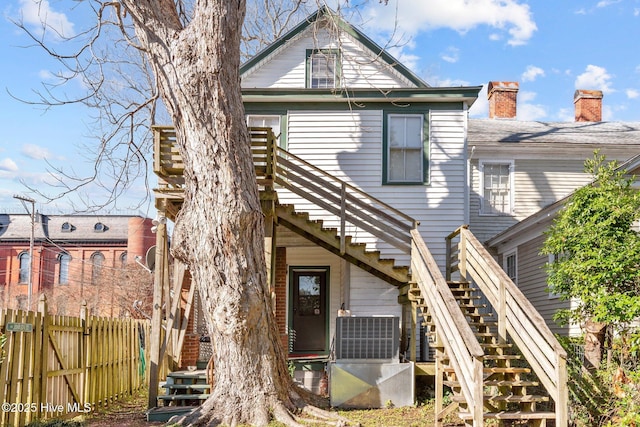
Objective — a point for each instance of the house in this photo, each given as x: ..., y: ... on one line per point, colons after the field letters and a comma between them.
x: 76, y: 258
x: 522, y: 171
x: 364, y: 178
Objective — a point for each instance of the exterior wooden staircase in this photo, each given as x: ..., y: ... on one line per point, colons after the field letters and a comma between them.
x: 495, y: 362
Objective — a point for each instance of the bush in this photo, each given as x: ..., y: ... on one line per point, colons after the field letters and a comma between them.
x: 609, y: 396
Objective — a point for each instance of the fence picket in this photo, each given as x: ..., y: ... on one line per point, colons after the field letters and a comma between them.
x: 67, y: 362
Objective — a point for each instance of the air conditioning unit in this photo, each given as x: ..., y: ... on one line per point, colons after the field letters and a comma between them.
x: 368, y: 339
x: 367, y: 372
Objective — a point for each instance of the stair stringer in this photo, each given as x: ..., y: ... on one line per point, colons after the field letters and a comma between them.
x: 329, y: 239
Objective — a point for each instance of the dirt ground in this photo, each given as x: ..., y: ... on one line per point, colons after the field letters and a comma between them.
x: 131, y: 413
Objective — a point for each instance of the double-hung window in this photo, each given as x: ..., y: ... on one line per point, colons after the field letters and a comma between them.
x: 405, y: 148
x: 511, y: 266
x: 266, y: 121
x: 496, y: 184
x: 323, y: 69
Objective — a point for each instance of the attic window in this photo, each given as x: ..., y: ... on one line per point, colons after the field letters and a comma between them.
x: 99, y: 227
x: 323, y: 69
x: 67, y: 228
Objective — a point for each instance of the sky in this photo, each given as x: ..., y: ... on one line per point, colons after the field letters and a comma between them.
x: 549, y: 48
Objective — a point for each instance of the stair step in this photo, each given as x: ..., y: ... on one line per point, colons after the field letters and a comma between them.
x: 510, y: 398
x: 513, y: 383
x: 502, y: 357
x: 498, y: 383
x: 495, y: 345
x: 201, y: 387
x: 498, y: 370
x: 515, y: 415
x: 177, y: 397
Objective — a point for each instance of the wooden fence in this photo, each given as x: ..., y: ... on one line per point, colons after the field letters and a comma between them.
x: 58, y: 365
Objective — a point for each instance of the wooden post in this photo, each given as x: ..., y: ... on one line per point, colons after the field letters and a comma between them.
x: 156, y: 315
x: 343, y: 218
x: 562, y: 399
x: 43, y: 310
x: 502, y: 312
x: 84, y: 351
x: 412, y: 334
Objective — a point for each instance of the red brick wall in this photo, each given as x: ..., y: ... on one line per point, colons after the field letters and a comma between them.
x: 588, y: 105
x: 281, y: 294
x: 502, y: 100
x: 191, y: 344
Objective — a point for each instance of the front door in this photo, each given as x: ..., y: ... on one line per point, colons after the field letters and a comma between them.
x: 309, y: 309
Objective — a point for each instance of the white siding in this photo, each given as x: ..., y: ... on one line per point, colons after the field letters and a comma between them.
x: 532, y: 281
x: 286, y: 68
x: 348, y: 145
x: 538, y: 183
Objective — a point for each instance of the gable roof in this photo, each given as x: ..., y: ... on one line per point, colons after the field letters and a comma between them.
x: 544, y: 217
x: 325, y: 12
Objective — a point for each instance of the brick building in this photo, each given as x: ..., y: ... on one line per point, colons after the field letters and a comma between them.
x: 76, y: 258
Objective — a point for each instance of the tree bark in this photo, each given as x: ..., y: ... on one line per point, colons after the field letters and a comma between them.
x: 594, y: 337
x: 219, y: 232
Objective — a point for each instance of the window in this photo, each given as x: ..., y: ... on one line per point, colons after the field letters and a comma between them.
x: 67, y: 227
x: 405, y: 148
x: 511, y: 266
x: 99, y: 227
x: 322, y: 69
x: 63, y: 275
x: 496, y: 182
x: 123, y: 260
x: 25, y: 263
x: 97, y: 261
x: 266, y: 121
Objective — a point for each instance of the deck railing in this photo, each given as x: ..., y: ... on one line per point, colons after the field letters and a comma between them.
x: 518, y: 320
x: 452, y: 329
x: 278, y: 168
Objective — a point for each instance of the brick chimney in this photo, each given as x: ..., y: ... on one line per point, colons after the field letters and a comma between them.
x: 588, y: 105
x: 502, y: 99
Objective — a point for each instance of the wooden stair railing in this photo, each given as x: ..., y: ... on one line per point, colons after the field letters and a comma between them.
x: 453, y: 332
x: 353, y: 208
x: 518, y: 320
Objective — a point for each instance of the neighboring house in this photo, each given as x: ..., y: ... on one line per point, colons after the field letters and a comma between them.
x: 521, y: 171
x: 76, y: 258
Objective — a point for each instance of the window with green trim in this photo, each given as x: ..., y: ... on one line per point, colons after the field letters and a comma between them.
x: 323, y: 68
x: 405, y: 149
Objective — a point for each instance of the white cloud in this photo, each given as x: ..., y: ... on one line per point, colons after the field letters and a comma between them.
x: 35, y: 152
x: 38, y: 13
x: 480, y: 108
x: 8, y: 165
x: 595, y: 78
x: 508, y: 16
x: 530, y: 112
x: 451, y: 54
x: 532, y: 73
x: 605, y: 3
x: 526, y: 96
x: 632, y: 93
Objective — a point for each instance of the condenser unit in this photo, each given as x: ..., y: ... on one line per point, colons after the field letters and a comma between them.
x: 367, y: 372
x: 368, y: 339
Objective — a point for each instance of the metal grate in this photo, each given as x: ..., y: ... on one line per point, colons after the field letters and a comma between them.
x: 368, y: 338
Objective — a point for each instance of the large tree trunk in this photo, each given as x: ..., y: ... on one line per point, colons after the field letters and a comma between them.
x: 219, y: 232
